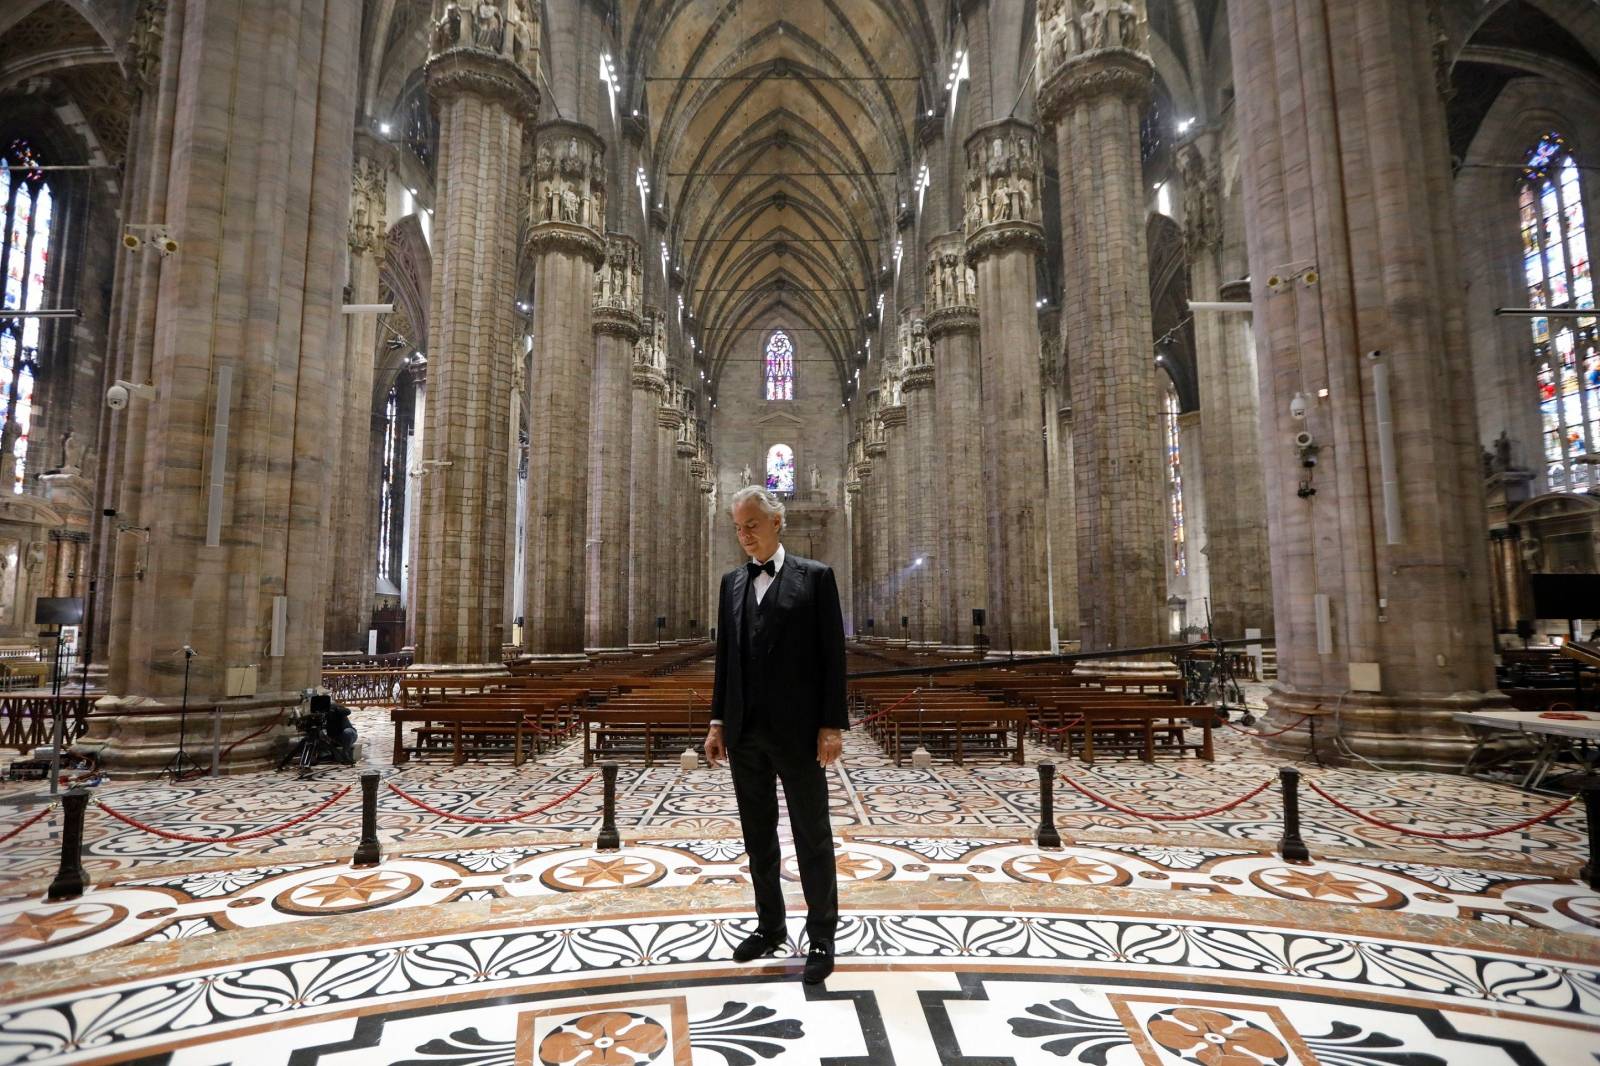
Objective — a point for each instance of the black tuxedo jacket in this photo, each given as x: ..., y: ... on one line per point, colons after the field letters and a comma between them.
x: 805, y: 653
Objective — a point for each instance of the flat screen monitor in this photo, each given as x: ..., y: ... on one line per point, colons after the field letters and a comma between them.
x: 1564, y: 596
x: 58, y: 611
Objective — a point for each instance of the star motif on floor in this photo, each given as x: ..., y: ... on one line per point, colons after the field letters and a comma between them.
x: 853, y: 866
x: 1070, y: 868
x: 346, y: 888
x: 1320, y: 885
x: 606, y: 871
x: 40, y: 928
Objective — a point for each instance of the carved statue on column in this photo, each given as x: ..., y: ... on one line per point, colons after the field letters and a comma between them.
x: 8, y: 454
x: 489, y: 30
x: 1202, y: 226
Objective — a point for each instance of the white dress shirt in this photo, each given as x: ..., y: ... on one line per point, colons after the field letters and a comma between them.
x: 763, y: 580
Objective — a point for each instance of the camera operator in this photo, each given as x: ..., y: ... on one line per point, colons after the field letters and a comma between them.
x: 336, y: 727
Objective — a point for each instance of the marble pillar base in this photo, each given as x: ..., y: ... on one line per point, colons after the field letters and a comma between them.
x: 1395, y: 731
x: 143, y: 740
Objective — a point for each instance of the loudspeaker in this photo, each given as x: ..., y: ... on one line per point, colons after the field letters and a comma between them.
x: 904, y: 621
x: 977, y: 616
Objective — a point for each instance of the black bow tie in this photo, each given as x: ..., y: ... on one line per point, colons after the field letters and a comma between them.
x: 753, y: 568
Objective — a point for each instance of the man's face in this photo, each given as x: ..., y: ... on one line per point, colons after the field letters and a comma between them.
x: 757, y: 530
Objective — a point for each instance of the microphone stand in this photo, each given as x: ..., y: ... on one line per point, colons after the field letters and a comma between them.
x: 183, y: 765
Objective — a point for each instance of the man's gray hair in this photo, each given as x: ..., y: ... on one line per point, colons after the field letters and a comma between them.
x: 769, y: 501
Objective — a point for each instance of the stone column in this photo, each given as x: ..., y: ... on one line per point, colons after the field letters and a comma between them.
x: 925, y: 598
x: 482, y: 80
x: 1381, y: 591
x: 1197, y: 563
x: 644, y: 513
x: 351, y: 581
x: 950, y: 293
x: 858, y: 543
x: 1003, y: 238
x: 1095, y: 79
x: 874, y: 492
x: 568, y: 213
x: 1063, y: 512
x: 1230, y: 449
x: 615, y: 322
x: 896, y: 537
x: 669, y: 419
x: 686, y: 491
x: 216, y: 537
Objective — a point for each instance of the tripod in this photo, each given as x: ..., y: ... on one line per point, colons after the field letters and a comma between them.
x: 182, y: 764
x: 313, y: 746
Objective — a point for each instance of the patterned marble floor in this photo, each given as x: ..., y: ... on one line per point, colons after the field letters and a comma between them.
x: 1138, y: 943
x: 867, y: 791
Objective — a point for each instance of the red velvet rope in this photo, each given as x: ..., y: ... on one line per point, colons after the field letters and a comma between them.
x: 496, y: 820
x: 13, y: 832
x: 1483, y: 835
x: 243, y: 740
x: 240, y: 839
x: 869, y: 719
x: 1161, y: 816
x: 1258, y: 733
x: 1064, y: 727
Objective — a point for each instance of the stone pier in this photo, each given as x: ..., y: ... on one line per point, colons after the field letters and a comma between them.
x: 615, y: 323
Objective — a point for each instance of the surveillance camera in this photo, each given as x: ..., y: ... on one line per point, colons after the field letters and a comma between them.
x: 117, y: 397
x: 131, y: 241
x: 1297, y: 406
x: 1375, y: 355
x: 1303, y: 440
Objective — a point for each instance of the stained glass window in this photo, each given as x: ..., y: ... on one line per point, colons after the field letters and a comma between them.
x: 389, y: 504
x: 1180, y: 554
x: 780, y: 367
x: 26, y: 208
x: 780, y: 468
x: 1555, y: 266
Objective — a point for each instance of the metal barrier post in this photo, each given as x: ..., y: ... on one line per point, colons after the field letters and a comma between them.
x: 1046, y: 835
x: 70, y: 879
x: 368, y: 852
x: 1290, y: 847
x: 1590, y: 874
x: 608, y: 839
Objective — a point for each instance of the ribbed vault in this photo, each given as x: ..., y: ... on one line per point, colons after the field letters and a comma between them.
x: 779, y: 138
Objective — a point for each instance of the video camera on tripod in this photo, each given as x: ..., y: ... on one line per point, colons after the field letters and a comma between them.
x: 325, y: 732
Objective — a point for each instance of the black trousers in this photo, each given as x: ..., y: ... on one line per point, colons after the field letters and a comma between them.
x: 758, y: 764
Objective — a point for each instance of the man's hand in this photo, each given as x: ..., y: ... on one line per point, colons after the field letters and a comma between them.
x: 830, y: 744
x: 716, y: 750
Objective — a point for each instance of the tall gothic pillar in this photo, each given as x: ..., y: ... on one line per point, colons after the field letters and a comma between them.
x: 950, y: 295
x: 925, y: 599
x: 1003, y: 238
x: 616, y: 328
x: 1095, y: 80
x: 669, y: 420
x: 569, y: 214
x: 481, y: 77
x: 896, y: 537
x: 875, y: 494
x: 1062, y: 509
x: 686, y: 491
x: 644, y: 514
x: 858, y: 541
x: 351, y: 579
x: 1379, y: 578
x: 218, y: 536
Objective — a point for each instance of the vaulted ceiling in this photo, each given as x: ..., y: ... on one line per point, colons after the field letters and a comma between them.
x: 779, y: 138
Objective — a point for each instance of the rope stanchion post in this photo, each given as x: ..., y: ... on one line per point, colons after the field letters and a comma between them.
x: 1590, y: 874
x: 608, y: 839
x: 70, y: 879
x: 1291, y: 848
x: 367, y: 852
x: 1046, y: 836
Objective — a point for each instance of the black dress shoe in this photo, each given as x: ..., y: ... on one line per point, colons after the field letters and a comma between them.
x: 819, y: 964
x: 756, y: 945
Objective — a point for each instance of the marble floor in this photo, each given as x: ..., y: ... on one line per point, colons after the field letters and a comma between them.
x: 961, y: 942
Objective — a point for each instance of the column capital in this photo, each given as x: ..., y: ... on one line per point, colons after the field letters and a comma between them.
x: 875, y: 450
x: 369, y: 179
x: 1106, y: 72
x: 1202, y: 195
x: 917, y: 377
x: 458, y: 65
x: 669, y: 417
x: 616, y: 282
x: 1002, y: 189
x: 950, y: 282
x: 615, y: 322
x: 686, y: 449
x: 568, y: 208
x: 948, y: 321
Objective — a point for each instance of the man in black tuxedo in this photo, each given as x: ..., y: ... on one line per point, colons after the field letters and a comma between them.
x: 778, y: 714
